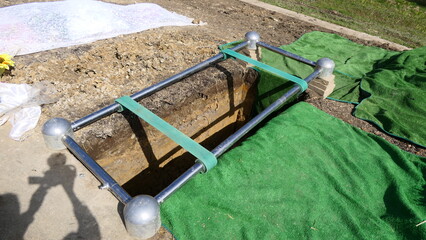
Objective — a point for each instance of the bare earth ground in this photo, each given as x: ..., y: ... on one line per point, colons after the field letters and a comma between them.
x: 89, y: 76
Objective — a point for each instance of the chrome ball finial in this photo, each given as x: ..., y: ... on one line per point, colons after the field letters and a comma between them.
x: 142, y: 216
x: 53, y: 130
x: 252, y: 38
x: 327, y: 65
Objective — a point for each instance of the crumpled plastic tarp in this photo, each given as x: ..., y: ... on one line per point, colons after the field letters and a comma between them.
x: 20, y: 104
x: 34, y: 27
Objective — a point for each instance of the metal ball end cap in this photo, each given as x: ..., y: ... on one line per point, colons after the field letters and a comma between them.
x: 53, y: 131
x: 142, y: 216
x: 252, y: 36
x: 327, y: 65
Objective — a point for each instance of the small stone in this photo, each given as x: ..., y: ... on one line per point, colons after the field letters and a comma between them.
x: 196, y: 21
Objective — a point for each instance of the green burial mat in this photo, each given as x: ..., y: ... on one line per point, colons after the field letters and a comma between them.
x: 389, y: 86
x: 398, y: 95
x: 305, y: 175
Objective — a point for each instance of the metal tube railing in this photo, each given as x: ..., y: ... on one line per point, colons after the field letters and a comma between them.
x: 107, y: 181
x: 58, y: 134
x: 287, y: 54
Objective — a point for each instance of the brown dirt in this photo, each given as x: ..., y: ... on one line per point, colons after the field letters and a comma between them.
x: 344, y: 111
x: 90, y: 76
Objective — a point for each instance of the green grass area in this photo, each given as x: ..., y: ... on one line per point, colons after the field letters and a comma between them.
x: 400, y: 21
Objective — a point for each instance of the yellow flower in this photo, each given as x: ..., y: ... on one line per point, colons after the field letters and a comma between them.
x: 6, y: 61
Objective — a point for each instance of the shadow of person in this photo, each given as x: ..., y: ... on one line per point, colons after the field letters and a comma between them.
x: 10, y: 226
x: 58, y: 174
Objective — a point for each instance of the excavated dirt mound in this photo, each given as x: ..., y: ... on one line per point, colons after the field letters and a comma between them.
x: 90, y: 76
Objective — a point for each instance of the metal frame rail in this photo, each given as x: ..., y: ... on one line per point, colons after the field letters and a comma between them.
x: 141, y: 213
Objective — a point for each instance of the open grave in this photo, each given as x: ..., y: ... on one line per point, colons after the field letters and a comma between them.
x: 141, y: 218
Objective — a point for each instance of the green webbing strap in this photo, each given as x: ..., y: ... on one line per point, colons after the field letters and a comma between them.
x: 204, y: 156
x: 302, y: 83
x: 230, y: 44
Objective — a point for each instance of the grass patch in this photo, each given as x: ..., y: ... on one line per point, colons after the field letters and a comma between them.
x: 400, y: 21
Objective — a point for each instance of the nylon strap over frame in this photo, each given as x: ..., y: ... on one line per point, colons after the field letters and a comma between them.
x: 302, y: 83
x: 207, y: 158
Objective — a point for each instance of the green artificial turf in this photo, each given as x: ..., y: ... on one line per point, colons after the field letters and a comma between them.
x: 388, y: 86
x: 305, y: 175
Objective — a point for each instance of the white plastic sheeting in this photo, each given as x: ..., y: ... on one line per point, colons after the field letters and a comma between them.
x: 20, y: 104
x: 34, y: 27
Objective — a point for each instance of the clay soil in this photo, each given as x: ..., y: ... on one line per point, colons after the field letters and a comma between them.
x: 90, y: 76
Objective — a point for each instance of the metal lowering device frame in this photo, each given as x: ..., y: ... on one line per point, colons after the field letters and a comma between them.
x: 142, y: 213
